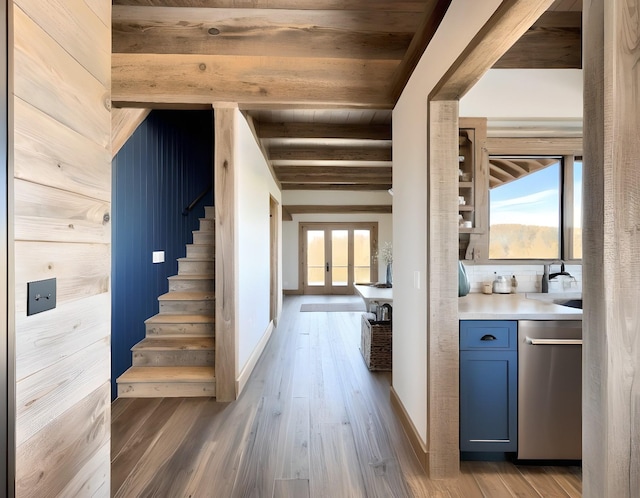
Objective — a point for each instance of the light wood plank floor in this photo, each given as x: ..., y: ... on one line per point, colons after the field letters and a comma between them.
x: 312, y: 422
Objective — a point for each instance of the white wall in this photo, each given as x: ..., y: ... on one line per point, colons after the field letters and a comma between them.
x: 463, y: 19
x: 525, y: 93
x: 290, y: 229
x: 255, y: 186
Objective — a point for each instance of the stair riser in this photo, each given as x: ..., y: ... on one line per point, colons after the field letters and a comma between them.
x: 174, y: 358
x: 180, y: 329
x: 210, y: 212
x: 195, y: 285
x: 166, y: 390
x: 207, y: 225
x: 187, y: 307
x: 201, y: 250
x: 196, y: 267
x: 204, y: 237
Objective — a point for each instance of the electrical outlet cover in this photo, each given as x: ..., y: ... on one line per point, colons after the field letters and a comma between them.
x: 41, y: 296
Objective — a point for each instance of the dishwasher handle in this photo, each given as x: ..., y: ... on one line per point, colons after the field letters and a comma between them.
x: 554, y: 342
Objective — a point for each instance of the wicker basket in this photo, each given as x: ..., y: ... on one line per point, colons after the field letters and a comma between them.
x: 376, y: 344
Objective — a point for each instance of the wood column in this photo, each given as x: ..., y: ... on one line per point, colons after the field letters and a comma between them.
x: 224, y: 199
x: 442, y: 315
x: 611, y: 240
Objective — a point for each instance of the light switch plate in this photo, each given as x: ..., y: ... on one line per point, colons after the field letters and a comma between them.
x: 157, y: 256
x: 41, y: 296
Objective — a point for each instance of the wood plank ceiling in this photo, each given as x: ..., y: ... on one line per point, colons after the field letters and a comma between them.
x: 317, y: 78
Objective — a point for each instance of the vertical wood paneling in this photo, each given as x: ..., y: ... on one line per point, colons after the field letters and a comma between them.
x: 161, y: 169
x: 611, y: 241
x: 62, y: 168
x: 225, y: 192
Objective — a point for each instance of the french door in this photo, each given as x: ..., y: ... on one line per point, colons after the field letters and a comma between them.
x: 337, y: 255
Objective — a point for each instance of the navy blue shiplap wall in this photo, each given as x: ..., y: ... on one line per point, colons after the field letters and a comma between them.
x: 162, y: 168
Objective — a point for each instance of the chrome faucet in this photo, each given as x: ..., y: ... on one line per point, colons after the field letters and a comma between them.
x: 561, y: 272
x: 546, y: 276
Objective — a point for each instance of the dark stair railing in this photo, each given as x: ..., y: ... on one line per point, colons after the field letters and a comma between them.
x: 190, y: 207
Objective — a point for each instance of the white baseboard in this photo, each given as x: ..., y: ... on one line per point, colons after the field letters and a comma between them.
x: 241, y: 382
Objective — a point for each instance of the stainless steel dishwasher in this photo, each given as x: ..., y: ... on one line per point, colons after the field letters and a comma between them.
x: 549, y: 390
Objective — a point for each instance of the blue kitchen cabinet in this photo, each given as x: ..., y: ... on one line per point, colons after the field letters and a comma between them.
x: 488, y: 385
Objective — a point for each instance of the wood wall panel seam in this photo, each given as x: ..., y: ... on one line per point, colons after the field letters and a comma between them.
x: 84, y: 36
x: 55, y: 155
x: 48, y: 393
x: 40, y: 82
x: 72, y: 437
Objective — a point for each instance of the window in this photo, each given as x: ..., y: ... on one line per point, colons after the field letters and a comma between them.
x: 535, y: 208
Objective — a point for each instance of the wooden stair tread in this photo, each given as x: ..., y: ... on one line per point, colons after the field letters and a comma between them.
x: 195, y: 276
x: 168, y: 374
x: 187, y: 296
x: 177, y: 318
x: 196, y: 343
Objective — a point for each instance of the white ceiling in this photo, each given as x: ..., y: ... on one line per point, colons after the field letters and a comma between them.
x: 546, y: 100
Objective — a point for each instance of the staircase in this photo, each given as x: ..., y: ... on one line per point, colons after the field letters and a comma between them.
x: 177, y: 356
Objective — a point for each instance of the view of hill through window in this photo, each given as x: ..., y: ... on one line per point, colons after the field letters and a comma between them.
x: 524, y: 216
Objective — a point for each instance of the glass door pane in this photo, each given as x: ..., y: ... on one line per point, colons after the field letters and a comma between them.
x: 315, y: 258
x: 339, y: 258
x: 362, y: 256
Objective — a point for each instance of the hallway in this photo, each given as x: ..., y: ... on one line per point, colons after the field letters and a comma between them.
x: 312, y: 422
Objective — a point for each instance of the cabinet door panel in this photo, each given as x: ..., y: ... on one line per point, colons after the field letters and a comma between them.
x: 488, y: 401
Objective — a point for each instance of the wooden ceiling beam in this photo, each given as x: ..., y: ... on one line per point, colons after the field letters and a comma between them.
x: 416, y: 6
x: 333, y: 174
x: 500, y: 174
x: 432, y: 16
x: 330, y: 154
x: 262, y: 32
x: 155, y: 79
x: 323, y: 130
x: 335, y: 209
x: 515, y: 167
x: 508, y: 23
x: 553, y: 42
x: 357, y: 187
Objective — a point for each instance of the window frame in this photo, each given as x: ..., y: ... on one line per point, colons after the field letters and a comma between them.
x: 570, y: 149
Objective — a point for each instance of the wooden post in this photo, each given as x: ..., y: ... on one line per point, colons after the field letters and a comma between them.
x: 442, y: 315
x: 611, y: 241
x: 224, y: 199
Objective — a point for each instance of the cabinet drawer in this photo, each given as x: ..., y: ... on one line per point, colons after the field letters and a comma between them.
x: 501, y: 335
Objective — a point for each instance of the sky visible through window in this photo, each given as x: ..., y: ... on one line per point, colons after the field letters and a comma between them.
x: 525, y: 216
x: 531, y: 200
x: 534, y: 199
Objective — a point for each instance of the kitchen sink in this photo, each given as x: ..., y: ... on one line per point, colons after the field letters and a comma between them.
x: 569, y: 303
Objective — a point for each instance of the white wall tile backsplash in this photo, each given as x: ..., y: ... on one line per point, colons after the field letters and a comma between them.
x: 529, y: 277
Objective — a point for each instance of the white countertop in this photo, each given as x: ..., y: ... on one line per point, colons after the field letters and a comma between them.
x: 373, y: 293
x: 516, y: 307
